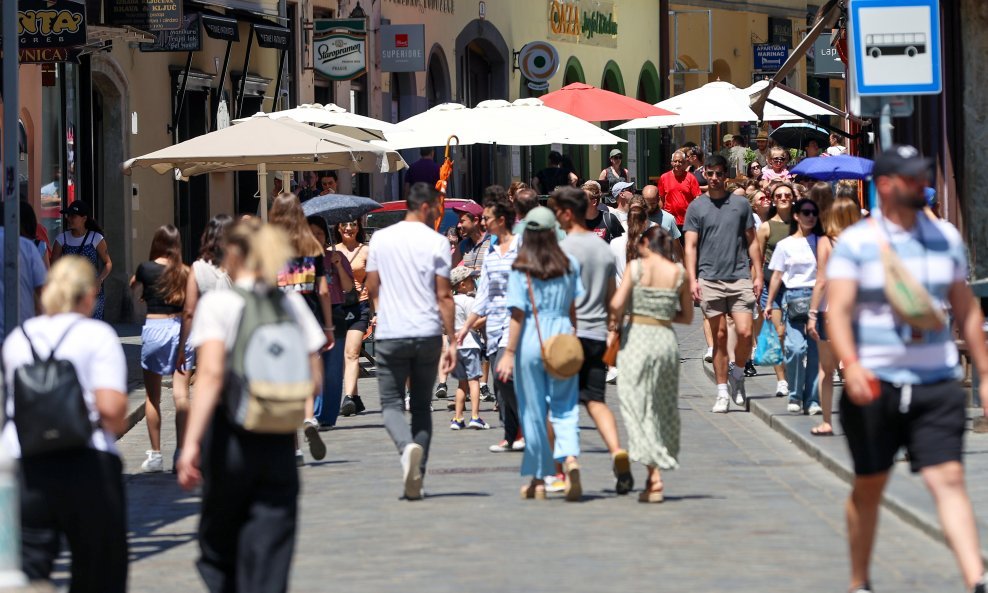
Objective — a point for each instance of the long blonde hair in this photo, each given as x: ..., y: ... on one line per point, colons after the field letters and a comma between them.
x: 265, y: 248
x: 69, y: 280
x: 286, y: 212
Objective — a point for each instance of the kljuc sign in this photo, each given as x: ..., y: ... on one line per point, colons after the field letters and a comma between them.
x: 340, y: 47
x: 583, y: 21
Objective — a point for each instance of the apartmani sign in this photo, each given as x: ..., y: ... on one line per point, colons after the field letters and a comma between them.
x: 340, y: 48
x: 583, y: 21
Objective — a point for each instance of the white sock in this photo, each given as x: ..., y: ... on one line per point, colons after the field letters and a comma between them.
x: 482, y: 385
x: 722, y: 390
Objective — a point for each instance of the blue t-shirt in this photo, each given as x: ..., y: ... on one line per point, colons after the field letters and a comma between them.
x: 32, y: 276
x: 425, y: 170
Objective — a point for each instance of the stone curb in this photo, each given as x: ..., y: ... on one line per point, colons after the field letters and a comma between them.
x: 925, y: 520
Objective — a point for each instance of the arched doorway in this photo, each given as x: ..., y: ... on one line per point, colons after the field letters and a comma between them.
x: 579, y: 155
x: 482, y: 60
x: 614, y: 82
x: 649, y: 141
x: 437, y: 78
x: 400, y: 103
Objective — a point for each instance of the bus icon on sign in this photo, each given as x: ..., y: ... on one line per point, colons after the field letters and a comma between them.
x: 895, y: 44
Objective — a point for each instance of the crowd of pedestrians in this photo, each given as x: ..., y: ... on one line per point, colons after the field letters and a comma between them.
x: 537, y: 303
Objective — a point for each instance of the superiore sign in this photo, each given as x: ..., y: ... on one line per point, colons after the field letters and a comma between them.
x: 340, y: 48
x: 583, y: 21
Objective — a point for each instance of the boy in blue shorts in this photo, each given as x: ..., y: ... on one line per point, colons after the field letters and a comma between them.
x: 467, y: 371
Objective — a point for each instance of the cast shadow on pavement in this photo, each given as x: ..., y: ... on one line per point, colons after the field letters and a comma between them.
x: 155, y: 504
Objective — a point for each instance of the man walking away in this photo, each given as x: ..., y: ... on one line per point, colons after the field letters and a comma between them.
x: 425, y: 170
x: 721, y: 256
x: 408, y: 267
x: 901, y: 383
x: 598, y: 273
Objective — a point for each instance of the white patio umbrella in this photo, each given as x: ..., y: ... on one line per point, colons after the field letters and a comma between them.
x: 262, y: 144
x: 336, y: 119
x: 712, y: 103
x: 526, y: 122
x: 779, y: 95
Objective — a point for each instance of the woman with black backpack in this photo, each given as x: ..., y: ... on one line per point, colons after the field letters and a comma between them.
x: 70, y: 485
x: 257, y: 364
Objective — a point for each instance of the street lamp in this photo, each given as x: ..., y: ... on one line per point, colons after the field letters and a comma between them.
x: 357, y: 12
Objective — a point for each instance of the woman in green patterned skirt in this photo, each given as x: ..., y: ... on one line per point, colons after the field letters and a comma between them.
x: 654, y: 296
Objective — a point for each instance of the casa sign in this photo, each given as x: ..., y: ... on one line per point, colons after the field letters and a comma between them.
x: 583, y: 21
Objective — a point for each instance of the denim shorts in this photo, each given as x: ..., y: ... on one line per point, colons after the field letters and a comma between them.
x: 467, y: 364
x: 159, y: 345
x: 777, y: 303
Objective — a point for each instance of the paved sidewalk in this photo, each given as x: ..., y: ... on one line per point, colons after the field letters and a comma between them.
x: 906, y: 496
x: 745, y: 512
x: 130, y: 339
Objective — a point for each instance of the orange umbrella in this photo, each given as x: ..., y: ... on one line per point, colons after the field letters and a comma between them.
x: 444, y: 172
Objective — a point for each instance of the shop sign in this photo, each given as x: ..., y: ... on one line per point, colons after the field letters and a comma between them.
x: 769, y: 57
x: 445, y: 6
x: 583, y: 21
x: 273, y: 37
x: 779, y: 30
x: 538, y: 62
x: 221, y: 27
x: 403, y: 48
x: 186, y: 39
x: 146, y: 15
x: 50, y: 25
x: 340, y: 48
x: 826, y: 61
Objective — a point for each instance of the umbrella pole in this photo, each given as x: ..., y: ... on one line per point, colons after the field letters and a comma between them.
x: 262, y: 182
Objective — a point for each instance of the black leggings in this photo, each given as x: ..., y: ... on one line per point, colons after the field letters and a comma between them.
x: 80, y: 494
x: 507, y: 401
x: 249, y: 503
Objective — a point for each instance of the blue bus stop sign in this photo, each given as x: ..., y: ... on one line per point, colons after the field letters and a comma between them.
x: 895, y: 47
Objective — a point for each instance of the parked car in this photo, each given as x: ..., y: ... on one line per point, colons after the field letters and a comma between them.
x: 392, y: 212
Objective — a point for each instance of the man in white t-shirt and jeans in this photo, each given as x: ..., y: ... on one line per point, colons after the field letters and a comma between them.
x: 408, y: 267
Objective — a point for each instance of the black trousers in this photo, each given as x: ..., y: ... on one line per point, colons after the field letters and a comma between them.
x: 78, y: 494
x: 249, y: 504
x: 507, y: 401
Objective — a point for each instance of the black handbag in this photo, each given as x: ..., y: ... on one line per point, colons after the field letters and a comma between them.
x: 50, y: 411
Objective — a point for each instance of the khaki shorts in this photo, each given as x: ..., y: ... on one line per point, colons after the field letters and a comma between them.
x: 720, y: 297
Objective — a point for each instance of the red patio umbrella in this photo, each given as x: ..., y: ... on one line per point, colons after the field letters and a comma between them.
x: 593, y: 104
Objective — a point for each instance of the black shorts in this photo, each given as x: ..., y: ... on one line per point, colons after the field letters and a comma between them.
x: 358, y: 317
x: 931, y: 429
x: 593, y: 373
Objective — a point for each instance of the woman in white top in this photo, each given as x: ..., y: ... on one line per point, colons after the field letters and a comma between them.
x: 85, y: 238
x: 76, y: 492
x: 794, y: 264
x: 250, y: 481
x: 638, y: 223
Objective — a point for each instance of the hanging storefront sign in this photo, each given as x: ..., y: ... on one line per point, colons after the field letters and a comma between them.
x: 446, y: 6
x: 402, y: 48
x: 273, y: 37
x: 769, y: 57
x: 50, y: 31
x: 220, y: 27
x: 538, y: 62
x: 826, y: 61
x: 146, y: 15
x: 340, y: 48
x: 186, y: 39
x: 583, y: 21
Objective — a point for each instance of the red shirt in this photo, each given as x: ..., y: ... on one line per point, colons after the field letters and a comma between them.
x: 678, y: 194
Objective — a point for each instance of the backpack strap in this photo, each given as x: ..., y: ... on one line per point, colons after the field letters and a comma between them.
x: 54, y: 348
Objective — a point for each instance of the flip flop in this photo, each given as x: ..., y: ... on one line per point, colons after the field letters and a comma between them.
x: 818, y: 432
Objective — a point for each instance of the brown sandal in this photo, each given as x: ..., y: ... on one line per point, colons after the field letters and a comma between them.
x: 574, y: 490
x: 651, y: 496
x: 533, y: 491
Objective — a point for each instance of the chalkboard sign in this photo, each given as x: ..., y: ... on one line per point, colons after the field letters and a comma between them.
x: 185, y: 39
x: 146, y: 15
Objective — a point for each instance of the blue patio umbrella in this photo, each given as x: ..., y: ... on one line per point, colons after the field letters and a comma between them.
x: 338, y: 208
x: 830, y: 168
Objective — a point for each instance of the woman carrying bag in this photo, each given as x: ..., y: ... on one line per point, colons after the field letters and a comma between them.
x: 542, y: 288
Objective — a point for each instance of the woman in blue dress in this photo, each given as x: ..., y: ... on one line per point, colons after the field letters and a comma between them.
x: 555, y: 284
x: 85, y: 238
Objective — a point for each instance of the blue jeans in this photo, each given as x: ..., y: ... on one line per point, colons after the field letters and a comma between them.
x: 327, y: 405
x: 802, y: 358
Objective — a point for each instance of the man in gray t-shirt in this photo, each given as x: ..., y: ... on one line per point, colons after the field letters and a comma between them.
x: 598, y: 273
x: 724, y: 264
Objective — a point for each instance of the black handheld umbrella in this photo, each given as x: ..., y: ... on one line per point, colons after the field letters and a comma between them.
x: 339, y: 208
x: 799, y: 135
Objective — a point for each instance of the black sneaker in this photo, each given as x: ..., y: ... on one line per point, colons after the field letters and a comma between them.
x: 441, y: 391
x: 359, y: 403
x: 485, y: 394
x: 348, y: 407
x: 749, y: 369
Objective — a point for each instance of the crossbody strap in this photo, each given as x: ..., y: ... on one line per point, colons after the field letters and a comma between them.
x: 54, y: 348
x: 535, y: 309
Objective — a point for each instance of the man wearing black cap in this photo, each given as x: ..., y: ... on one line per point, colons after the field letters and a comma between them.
x: 901, y: 377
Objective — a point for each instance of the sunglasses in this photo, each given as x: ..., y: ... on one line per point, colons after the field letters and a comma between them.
x: 715, y: 173
x: 807, y: 212
x: 785, y: 196
x: 778, y: 159
x: 347, y: 225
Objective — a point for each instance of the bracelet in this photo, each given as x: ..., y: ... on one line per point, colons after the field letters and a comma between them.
x: 814, y: 311
x: 328, y: 329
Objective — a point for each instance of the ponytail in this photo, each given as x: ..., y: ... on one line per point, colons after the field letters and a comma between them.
x: 70, y: 279
x: 264, y: 247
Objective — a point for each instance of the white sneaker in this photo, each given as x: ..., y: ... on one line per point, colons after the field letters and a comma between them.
x: 408, y: 403
x: 411, y: 471
x: 721, y: 405
x: 154, y: 463
x: 815, y: 409
x: 795, y: 408
x: 781, y: 389
x: 708, y: 356
x: 518, y: 445
x: 612, y: 374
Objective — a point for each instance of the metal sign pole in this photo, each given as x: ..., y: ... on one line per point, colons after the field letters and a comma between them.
x: 10, y: 561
